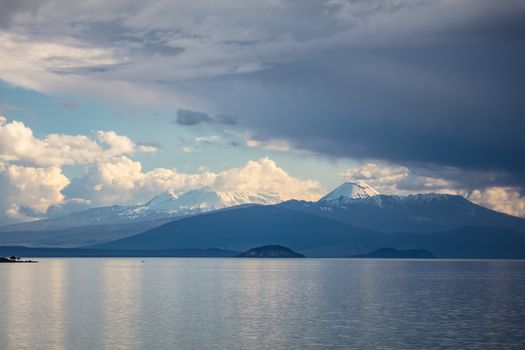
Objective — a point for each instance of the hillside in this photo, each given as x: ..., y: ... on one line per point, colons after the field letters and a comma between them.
x: 314, y: 236
x: 76, y: 236
x: 243, y: 228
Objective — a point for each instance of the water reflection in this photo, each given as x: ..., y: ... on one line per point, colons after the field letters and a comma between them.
x: 122, y: 287
x: 35, y: 306
x: 57, y: 301
x: 261, y: 304
x: 20, y: 299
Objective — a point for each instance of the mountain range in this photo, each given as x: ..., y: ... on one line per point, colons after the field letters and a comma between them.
x: 352, y: 219
x: 413, y: 213
x: 104, y: 224
x: 168, y: 204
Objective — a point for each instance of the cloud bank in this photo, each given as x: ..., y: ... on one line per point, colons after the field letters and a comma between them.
x: 33, y: 184
x: 123, y: 181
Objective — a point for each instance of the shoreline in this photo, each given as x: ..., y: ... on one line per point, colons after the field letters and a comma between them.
x: 14, y: 261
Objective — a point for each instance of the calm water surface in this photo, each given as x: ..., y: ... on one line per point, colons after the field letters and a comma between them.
x: 262, y: 304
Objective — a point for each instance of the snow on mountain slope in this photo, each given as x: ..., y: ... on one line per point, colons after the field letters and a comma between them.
x: 165, y: 199
x: 168, y: 204
x: 350, y: 190
x: 204, y: 200
x: 198, y: 201
x: 171, y: 204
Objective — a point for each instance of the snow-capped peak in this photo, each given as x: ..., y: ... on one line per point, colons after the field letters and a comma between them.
x: 350, y: 190
x: 171, y: 203
x: 205, y: 199
x: 163, y: 198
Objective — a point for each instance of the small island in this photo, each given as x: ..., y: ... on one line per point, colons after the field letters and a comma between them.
x: 391, y: 253
x: 270, y: 251
x: 15, y: 259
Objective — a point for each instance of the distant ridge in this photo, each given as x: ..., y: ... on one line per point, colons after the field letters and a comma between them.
x: 166, y: 205
x: 240, y: 229
x: 392, y: 253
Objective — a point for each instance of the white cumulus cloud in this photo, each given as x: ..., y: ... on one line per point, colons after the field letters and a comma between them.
x: 265, y: 176
x: 504, y: 199
x: 122, y: 180
x: 397, y: 179
x: 19, y: 144
x: 27, y: 192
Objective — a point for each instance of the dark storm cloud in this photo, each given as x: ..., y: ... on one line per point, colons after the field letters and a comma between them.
x: 188, y: 118
x: 106, y: 33
x: 447, y: 96
x: 7, y: 9
x: 460, y: 178
x: 430, y: 84
x: 226, y: 119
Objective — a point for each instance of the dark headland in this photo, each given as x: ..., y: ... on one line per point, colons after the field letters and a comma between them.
x: 15, y: 259
x: 270, y: 251
x: 391, y: 253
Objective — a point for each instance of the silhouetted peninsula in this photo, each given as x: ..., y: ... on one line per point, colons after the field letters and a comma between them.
x: 15, y: 259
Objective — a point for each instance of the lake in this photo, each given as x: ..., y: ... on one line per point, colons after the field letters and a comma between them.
x: 166, y: 303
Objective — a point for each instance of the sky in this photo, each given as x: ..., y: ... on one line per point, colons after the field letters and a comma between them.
x: 107, y: 103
